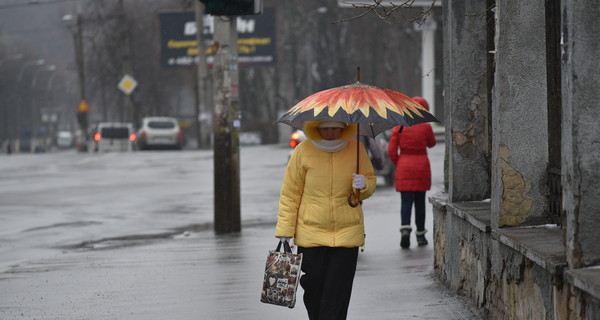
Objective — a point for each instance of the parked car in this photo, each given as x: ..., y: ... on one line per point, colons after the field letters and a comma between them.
x: 387, y: 172
x: 389, y: 169
x: 113, y: 137
x: 159, y: 132
x: 296, y: 137
x: 29, y: 143
x: 65, y: 140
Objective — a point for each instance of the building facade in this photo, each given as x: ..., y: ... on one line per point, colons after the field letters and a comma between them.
x: 517, y: 229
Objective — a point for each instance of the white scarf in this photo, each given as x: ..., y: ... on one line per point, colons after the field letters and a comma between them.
x: 331, y: 145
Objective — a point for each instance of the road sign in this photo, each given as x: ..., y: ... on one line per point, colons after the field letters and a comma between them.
x: 127, y: 84
x: 83, y: 107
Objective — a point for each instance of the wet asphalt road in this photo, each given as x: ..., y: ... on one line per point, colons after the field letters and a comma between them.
x: 196, y: 274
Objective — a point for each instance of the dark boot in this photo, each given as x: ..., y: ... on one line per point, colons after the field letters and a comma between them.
x: 421, y: 238
x: 405, y: 236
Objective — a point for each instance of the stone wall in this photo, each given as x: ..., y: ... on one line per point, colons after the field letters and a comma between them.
x: 495, y: 236
x: 513, y: 273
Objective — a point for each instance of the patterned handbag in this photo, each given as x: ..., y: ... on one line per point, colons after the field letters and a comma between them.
x: 282, y: 275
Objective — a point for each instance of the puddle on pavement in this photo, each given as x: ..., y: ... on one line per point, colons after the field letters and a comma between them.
x: 66, y: 224
x: 137, y: 240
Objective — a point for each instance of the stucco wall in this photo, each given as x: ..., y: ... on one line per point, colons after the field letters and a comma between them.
x: 465, y: 100
x: 581, y: 132
x: 519, y: 115
x: 491, y: 254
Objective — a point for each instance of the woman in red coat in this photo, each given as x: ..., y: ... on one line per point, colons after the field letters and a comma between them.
x: 408, y: 151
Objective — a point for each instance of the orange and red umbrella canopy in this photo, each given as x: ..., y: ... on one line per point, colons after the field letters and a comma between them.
x: 380, y: 109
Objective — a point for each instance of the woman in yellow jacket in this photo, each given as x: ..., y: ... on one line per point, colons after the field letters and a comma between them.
x: 314, y: 210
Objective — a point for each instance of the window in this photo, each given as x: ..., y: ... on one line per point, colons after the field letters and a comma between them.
x: 115, y: 133
x: 161, y: 125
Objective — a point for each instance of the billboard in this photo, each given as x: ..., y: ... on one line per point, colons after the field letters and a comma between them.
x: 178, y: 45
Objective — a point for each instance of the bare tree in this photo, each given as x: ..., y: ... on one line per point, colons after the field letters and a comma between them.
x: 386, y: 10
x: 123, y: 36
x: 315, y: 52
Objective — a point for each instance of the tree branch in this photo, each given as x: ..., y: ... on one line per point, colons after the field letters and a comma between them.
x: 385, y: 12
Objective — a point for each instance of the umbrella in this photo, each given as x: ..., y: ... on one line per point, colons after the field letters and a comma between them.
x: 373, y: 109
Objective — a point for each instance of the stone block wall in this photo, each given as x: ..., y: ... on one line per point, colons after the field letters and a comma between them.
x: 505, y: 274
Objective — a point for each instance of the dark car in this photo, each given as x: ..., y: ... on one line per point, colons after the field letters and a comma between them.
x: 389, y: 169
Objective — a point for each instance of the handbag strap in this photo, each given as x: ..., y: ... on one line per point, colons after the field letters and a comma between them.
x: 286, y: 247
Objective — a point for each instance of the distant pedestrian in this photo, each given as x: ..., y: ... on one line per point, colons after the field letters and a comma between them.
x: 314, y: 210
x: 408, y: 151
x: 8, y: 147
x: 375, y: 152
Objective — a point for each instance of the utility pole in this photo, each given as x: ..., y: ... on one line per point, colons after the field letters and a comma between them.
x: 78, y: 40
x: 226, y: 117
x: 75, y: 26
x: 129, y: 111
x: 201, y: 74
x: 226, y: 128
x: 82, y: 108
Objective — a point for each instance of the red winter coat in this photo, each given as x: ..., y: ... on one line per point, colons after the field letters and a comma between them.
x: 413, y: 172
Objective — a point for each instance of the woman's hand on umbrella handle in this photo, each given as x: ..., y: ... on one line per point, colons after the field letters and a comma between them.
x: 358, y: 181
x: 353, y: 199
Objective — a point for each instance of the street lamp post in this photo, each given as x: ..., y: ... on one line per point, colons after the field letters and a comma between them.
x: 78, y: 46
x: 16, y: 56
x: 20, y: 116
x: 50, y: 82
x: 37, y: 62
x: 36, y: 114
x: 35, y: 74
x: 82, y: 109
x: 6, y: 110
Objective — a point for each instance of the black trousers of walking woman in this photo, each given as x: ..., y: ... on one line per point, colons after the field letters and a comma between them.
x: 327, y: 281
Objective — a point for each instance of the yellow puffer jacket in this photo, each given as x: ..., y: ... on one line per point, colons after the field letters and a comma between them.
x: 313, y: 204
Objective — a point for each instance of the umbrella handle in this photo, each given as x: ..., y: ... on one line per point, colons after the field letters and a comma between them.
x: 353, y: 198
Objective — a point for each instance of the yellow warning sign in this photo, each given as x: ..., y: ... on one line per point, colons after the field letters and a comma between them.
x: 127, y: 84
x: 83, y: 107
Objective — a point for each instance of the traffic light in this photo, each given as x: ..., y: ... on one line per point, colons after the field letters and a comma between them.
x: 82, y: 115
x: 232, y: 7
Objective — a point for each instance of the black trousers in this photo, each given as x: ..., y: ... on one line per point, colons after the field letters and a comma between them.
x: 327, y: 281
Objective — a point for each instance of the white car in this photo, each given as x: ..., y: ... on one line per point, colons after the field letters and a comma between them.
x: 114, y: 137
x: 159, y: 132
x: 65, y: 139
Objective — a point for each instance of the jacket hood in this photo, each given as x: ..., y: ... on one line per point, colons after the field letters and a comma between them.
x: 312, y: 133
x: 421, y: 101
